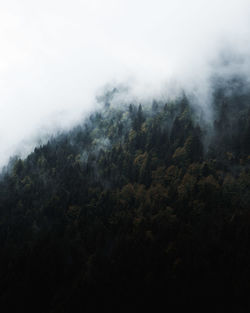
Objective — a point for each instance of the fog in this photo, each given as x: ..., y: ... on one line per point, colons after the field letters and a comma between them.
x: 56, y: 56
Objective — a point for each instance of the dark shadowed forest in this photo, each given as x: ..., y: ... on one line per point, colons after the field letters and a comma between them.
x: 138, y: 204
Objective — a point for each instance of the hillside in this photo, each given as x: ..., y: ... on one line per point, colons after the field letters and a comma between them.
x: 135, y: 203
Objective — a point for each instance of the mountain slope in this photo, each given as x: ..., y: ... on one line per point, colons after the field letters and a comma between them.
x: 135, y: 203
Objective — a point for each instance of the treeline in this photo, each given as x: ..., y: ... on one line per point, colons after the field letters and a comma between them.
x: 136, y: 205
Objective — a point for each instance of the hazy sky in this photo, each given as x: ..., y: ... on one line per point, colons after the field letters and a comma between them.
x: 56, y: 54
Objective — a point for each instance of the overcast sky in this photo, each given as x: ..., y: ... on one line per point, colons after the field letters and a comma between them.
x: 56, y: 54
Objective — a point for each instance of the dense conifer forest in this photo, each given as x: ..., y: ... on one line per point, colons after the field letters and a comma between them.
x: 139, y: 203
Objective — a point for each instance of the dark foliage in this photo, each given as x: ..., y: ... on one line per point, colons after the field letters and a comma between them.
x: 130, y: 209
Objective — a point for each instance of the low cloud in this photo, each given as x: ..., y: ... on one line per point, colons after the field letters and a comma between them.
x: 56, y: 55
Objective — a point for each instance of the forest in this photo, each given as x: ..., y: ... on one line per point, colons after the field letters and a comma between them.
x: 138, y: 204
